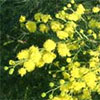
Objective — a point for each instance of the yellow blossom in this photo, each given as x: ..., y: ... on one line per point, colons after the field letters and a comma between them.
x: 56, y: 26
x: 75, y: 73
x: 11, y: 62
x: 29, y: 65
x: 35, y: 57
x: 73, y: 17
x: 80, y: 9
x: 43, y: 28
x: 37, y: 16
x: 49, y: 45
x: 66, y: 97
x: 43, y: 95
x: 94, y: 35
x: 31, y: 26
x: 86, y: 95
x: 33, y: 49
x: 72, y: 1
x: 89, y: 31
x: 95, y: 9
x: 62, y: 34
x: 6, y: 68
x: 45, y: 18
x: 48, y: 57
x: 77, y: 64
x: 51, y: 84
x: 77, y: 86
x: 69, y: 5
x: 62, y: 81
x: 66, y: 75
x: 22, y: 71
x: 92, y: 64
x: 94, y: 24
x: 68, y: 60
x: 40, y: 63
x: 24, y: 54
x: 35, y: 54
x: 22, y: 19
x: 90, y: 79
x: 63, y: 50
x: 11, y: 71
x: 65, y: 8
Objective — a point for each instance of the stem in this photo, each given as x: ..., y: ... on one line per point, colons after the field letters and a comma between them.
x: 19, y: 44
x: 54, y: 89
x: 79, y: 34
x: 26, y: 91
x: 76, y: 54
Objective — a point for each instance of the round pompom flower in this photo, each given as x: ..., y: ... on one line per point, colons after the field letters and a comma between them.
x: 24, y: 54
x: 95, y: 9
x: 48, y: 57
x: 22, y: 71
x: 49, y: 45
x: 31, y: 26
x: 22, y: 19
x: 29, y: 65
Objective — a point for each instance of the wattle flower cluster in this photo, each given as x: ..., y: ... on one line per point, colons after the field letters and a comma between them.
x: 72, y: 50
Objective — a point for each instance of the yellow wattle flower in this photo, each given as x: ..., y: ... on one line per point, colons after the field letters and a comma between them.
x: 22, y: 19
x: 62, y: 34
x: 48, y: 57
x: 49, y: 45
x: 23, y: 54
x: 43, y: 28
x: 22, y: 71
x: 45, y: 18
x: 31, y: 26
x: 63, y: 50
x: 29, y: 65
x: 37, y: 17
x: 90, y: 79
x: 95, y: 9
x: 56, y: 26
x: 11, y: 62
x: 40, y: 63
x: 75, y: 73
x: 35, y: 54
x: 80, y: 9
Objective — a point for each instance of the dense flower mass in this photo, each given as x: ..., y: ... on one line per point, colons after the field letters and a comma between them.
x: 72, y: 51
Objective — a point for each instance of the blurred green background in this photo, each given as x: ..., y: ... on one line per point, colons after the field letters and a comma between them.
x: 32, y: 85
